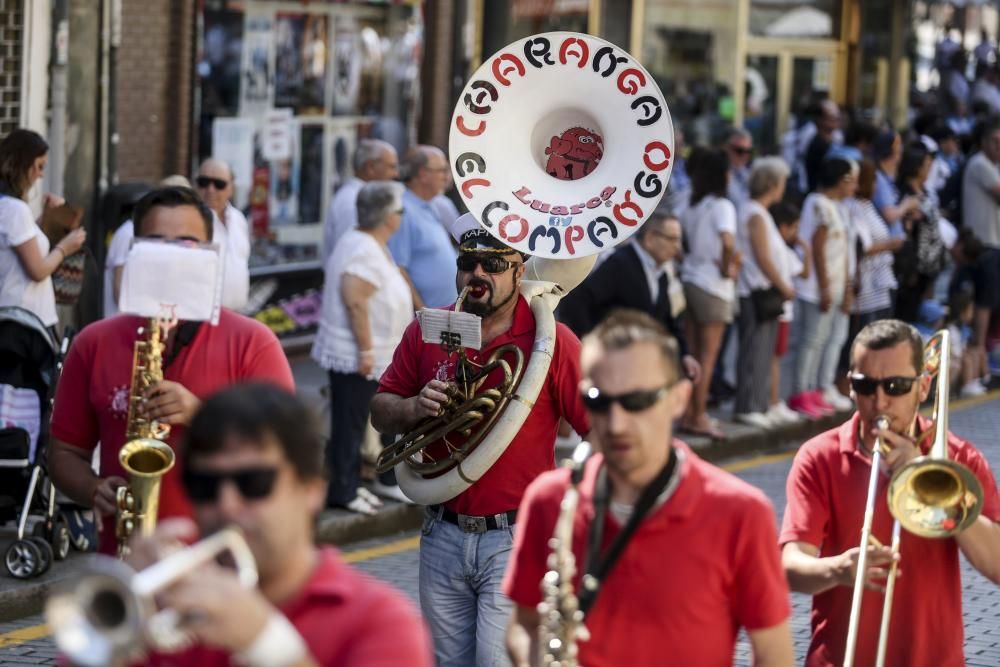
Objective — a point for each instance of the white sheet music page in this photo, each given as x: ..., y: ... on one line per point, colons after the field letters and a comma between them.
x: 168, y: 277
x: 447, y: 326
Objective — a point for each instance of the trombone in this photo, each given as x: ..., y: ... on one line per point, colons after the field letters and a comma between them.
x: 931, y: 496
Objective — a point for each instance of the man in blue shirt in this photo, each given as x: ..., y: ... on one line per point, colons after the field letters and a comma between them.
x: 422, y: 246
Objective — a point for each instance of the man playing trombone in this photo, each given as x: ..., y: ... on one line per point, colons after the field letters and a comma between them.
x: 826, y: 491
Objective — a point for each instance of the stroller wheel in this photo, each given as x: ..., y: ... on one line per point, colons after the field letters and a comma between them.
x: 23, y: 559
x: 45, y: 549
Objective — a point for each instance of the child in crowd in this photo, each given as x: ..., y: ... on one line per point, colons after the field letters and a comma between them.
x: 791, y: 264
x: 930, y: 318
x: 965, y: 371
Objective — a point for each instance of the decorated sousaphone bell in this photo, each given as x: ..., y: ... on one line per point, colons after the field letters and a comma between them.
x: 561, y: 147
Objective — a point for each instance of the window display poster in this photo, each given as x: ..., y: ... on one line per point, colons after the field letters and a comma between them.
x: 311, y: 174
x: 219, y: 68
x: 257, y: 87
x: 232, y: 142
x: 283, y: 198
x: 343, y: 138
x: 276, y: 135
x: 347, y: 60
x: 301, y: 47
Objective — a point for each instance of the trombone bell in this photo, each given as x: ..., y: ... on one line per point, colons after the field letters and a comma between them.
x: 935, y: 498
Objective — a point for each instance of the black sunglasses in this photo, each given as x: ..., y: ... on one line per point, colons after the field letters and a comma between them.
x: 635, y: 401
x: 253, y: 483
x: 490, y: 263
x: 206, y: 181
x: 740, y: 150
x: 892, y: 386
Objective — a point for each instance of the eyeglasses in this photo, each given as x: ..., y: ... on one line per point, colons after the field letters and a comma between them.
x: 635, y: 401
x: 892, y: 386
x: 490, y: 263
x: 740, y: 150
x: 253, y: 483
x: 206, y: 181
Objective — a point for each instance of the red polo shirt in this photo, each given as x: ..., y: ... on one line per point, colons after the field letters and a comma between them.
x: 531, y: 452
x: 698, y: 568
x: 346, y: 618
x: 91, y: 403
x: 826, y: 492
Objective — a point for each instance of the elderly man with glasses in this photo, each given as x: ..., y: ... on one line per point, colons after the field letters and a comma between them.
x: 466, y: 541
x: 214, y: 183
x: 826, y: 491
x: 738, y: 146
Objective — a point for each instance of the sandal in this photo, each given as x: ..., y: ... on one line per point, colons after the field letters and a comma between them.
x: 370, y: 497
x: 361, y: 506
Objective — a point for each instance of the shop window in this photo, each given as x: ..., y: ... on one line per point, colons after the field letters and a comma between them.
x: 689, y: 46
x: 795, y: 19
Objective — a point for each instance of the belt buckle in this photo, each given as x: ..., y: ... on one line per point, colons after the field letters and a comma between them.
x: 472, y: 524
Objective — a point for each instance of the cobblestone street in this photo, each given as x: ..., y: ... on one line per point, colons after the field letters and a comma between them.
x: 395, y: 560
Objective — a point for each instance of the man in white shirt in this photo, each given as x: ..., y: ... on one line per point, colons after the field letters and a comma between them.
x: 374, y: 160
x: 231, y: 232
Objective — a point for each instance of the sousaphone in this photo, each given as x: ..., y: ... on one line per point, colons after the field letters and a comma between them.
x: 561, y: 147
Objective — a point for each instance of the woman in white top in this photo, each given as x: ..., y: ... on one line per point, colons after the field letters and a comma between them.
x: 710, y: 265
x: 26, y: 262
x: 762, y: 289
x: 366, y: 308
x: 825, y: 297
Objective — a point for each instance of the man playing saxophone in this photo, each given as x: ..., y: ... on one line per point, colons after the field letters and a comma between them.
x: 674, y: 554
x: 826, y: 491
x: 92, y: 398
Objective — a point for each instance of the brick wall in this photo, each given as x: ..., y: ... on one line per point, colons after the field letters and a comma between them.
x: 154, y: 89
x: 11, y: 58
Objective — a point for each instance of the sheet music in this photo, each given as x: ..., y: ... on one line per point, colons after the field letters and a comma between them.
x: 166, y: 276
x: 461, y: 329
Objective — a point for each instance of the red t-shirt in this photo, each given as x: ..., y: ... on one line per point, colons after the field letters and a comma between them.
x: 531, y: 452
x: 92, y: 395
x: 826, y: 491
x: 346, y: 618
x: 699, y: 567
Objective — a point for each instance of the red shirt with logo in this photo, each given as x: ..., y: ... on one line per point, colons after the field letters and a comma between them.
x: 698, y: 568
x: 346, y: 618
x: 531, y: 452
x: 91, y: 403
x: 826, y: 491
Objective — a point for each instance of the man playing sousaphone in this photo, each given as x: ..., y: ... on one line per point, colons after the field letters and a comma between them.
x: 826, y: 491
x: 467, y: 540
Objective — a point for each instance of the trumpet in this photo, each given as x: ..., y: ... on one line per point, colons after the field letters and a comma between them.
x: 931, y: 496
x: 108, y: 615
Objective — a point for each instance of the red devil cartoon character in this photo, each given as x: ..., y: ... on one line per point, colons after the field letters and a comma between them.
x: 574, y: 154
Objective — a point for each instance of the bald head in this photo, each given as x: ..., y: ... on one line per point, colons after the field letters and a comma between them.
x: 214, y: 183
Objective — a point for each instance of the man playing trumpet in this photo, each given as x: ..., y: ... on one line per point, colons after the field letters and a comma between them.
x: 826, y: 493
x: 254, y: 460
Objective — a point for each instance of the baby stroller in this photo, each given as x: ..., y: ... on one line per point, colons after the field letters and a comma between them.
x: 29, y: 364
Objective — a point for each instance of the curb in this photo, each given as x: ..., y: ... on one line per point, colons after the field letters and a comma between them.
x: 28, y: 598
x: 340, y: 527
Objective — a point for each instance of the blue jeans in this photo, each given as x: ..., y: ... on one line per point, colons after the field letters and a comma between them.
x: 821, y: 335
x: 460, y: 594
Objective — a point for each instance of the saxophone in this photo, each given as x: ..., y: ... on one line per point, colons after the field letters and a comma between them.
x: 560, y: 617
x: 145, y: 456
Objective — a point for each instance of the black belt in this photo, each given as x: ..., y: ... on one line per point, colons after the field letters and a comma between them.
x: 474, y: 524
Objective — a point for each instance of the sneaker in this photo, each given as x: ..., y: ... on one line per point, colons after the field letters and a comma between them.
x: 392, y: 492
x: 816, y: 398
x: 82, y: 529
x: 803, y: 404
x: 780, y: 413
x: 361, y: 506
x: 370, y: 497
x: 837, y: 400
x: 758, y: 419
x: 974, y: 388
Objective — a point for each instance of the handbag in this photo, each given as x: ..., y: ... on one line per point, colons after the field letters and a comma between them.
x: 768, y: 303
